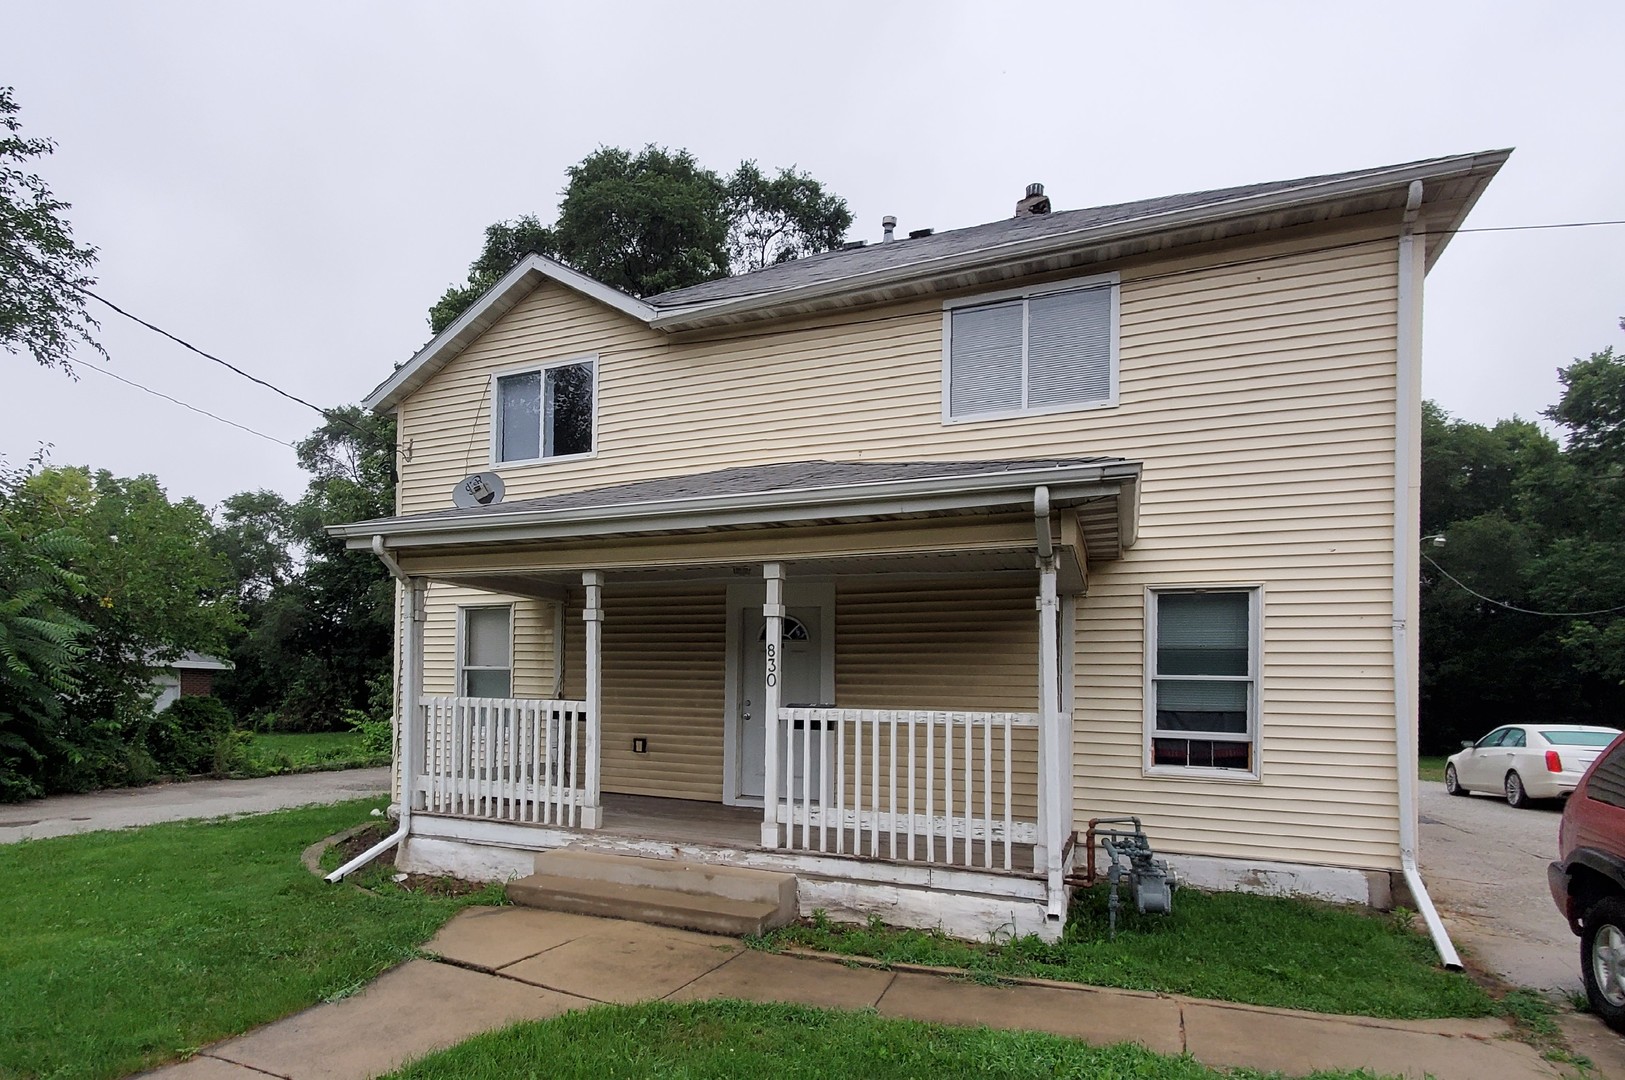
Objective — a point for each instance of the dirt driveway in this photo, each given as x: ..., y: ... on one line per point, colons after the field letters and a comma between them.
x: 1485, y: 866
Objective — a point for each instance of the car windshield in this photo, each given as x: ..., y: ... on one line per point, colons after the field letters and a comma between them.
x: 1579, y: 738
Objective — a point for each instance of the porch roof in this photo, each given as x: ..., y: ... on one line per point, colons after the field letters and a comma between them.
x: 1103, y: 489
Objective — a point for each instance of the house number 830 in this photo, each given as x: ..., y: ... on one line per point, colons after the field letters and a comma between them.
x: 772, y: 664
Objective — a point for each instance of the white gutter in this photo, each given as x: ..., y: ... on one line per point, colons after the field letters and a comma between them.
x: 1407, y: 531
x: 408, y: 677
x: 953, y: 491
x: 1046, y: 545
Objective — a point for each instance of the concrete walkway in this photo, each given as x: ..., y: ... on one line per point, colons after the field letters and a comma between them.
x: 124, y: 808
x: 500, y: 965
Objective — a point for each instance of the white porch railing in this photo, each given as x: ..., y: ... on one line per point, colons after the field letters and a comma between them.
x: 504, y: 758
x: 953, y: 787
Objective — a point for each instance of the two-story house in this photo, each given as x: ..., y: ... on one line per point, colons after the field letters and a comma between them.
x: 894, y: 566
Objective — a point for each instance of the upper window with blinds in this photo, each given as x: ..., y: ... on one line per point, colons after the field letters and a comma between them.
x: 1042, y: 350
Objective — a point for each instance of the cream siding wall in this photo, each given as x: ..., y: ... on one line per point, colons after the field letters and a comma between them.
x: 1260, y: 398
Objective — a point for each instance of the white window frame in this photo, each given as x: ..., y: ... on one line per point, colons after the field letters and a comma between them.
x: 494, y: 396
x: 1254, y: 678
x: 1112, y: 281
x: 462, y: 645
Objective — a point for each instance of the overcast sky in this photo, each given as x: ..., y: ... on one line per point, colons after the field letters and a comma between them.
x: 291, y: 185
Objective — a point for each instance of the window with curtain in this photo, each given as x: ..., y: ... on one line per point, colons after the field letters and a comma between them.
x: 486, y: 662
x: 1043, y: 352
x: 1202, y: 678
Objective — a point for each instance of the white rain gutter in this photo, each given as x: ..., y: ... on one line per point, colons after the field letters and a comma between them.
x: 408, y: 671
x: 1407, y: 522
x: 1046, y: 545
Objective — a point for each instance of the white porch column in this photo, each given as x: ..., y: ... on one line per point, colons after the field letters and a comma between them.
x: 412, y: 747
x: 773, y: 574
x: 592, y: 814
x: 1053, y: 757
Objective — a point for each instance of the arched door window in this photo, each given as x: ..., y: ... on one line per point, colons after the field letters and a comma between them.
x: 794, y: 630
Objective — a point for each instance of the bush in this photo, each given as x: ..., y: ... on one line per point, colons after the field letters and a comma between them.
x: 184, y: 738
x: 377, y: 737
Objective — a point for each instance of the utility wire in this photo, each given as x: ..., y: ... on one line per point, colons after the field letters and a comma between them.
x: 182, y: 342
x: 185, y: 405
x: 1513, y: 607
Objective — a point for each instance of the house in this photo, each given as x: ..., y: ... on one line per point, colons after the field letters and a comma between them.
x: 191, y: 675
x: 895, y: 566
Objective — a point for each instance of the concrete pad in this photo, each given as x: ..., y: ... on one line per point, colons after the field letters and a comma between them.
x: 1101, y: 1017
x: 410, y: 1011
x: 1592, y: 1038
x: 494, y: 937
x: 1294, y: 1044
x: 761, y: 976
x: 203, y: 1067
x: 626, y: 962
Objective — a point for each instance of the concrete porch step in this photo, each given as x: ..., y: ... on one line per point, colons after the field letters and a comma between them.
x: 693, y: 896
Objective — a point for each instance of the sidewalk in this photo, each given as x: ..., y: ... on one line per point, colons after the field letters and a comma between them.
x: 500, y: 965
x: 124, y: 808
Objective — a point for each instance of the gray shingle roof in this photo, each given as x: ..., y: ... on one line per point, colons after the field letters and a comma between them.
x: 760, y: 480
x: 833, y: 265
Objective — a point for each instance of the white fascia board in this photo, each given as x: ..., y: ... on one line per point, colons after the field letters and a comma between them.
x: 1012, y: 250
x: 493, y: 304
x: 870, y: 498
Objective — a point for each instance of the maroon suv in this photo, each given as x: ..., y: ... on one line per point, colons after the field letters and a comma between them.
x: 1588, y: 880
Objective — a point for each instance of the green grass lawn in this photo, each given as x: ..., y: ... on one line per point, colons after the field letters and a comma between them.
x: 1260, y: 950
x: 1431, y: 768
x: 270, y: 753
x: 123, y: 949
x: 788, y: 1042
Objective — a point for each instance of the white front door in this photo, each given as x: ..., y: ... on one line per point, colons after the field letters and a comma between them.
x: 803, y: 672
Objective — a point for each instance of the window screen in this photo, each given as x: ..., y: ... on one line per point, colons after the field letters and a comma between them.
x: 1202, y: 682
x: 544, y: 414
x: 487, y: 662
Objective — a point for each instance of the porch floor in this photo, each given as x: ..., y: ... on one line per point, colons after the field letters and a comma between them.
x: 688, y: 821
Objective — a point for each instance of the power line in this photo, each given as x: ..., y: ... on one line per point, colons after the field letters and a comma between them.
x: 182, y: 342
x: 1513, y: 607
x: 186, y: 405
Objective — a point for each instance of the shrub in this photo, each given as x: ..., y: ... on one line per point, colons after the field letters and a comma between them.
x: 184, y: 737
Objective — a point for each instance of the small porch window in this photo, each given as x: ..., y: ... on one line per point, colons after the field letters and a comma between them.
x: 485, y: 662
x: 1202, y: 681
x: 546, y: 413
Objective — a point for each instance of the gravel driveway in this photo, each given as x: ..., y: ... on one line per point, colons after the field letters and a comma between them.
x: 122, y: 808
x: 1485, y: 867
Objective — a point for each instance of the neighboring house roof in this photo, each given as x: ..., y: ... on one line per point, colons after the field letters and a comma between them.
x: 196, y: 661
x: 999, y: 250
x: 777, y: 494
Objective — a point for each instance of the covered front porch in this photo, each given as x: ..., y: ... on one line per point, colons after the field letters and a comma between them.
x: 890, y: 661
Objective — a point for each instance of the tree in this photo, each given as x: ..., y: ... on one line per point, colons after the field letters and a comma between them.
x: 654, y: 221
x: 776, y: 219
x: 42, y: 310
x: 39, y: 644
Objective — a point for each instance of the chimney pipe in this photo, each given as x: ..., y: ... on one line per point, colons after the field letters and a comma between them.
x: 1035, y: 202
x: 888, y: 225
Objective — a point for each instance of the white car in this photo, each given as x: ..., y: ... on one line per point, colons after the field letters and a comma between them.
x: 1526, y: 761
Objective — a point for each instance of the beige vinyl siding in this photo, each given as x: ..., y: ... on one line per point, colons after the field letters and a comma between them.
x: 1260, y: 398
x: 532, y: 639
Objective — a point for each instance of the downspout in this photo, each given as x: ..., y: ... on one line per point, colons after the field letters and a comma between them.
x: 1051, y: 753
x: 408, y: 672
x: 1407, y: 529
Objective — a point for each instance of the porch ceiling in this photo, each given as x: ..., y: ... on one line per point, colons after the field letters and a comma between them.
x: 1012, y: 562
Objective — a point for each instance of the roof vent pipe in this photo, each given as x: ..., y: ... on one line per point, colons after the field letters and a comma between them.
x: 888, y: 225
x: 1035, y: 201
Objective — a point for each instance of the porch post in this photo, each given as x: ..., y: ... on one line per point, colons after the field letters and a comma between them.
x: 1053, y: 773
x: 773, y: 573
x: 592, y: 813
x: 412, y: 748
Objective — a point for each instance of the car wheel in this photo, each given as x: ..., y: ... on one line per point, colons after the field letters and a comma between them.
x: 1451, y: 784
x: 1517, y: 797
x: 1602, y: 960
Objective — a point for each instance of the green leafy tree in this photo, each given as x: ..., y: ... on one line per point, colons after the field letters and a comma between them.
x: 40, y: 644
x: 773, y: 219
x: 653, y: 221
x: 42, y: 311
